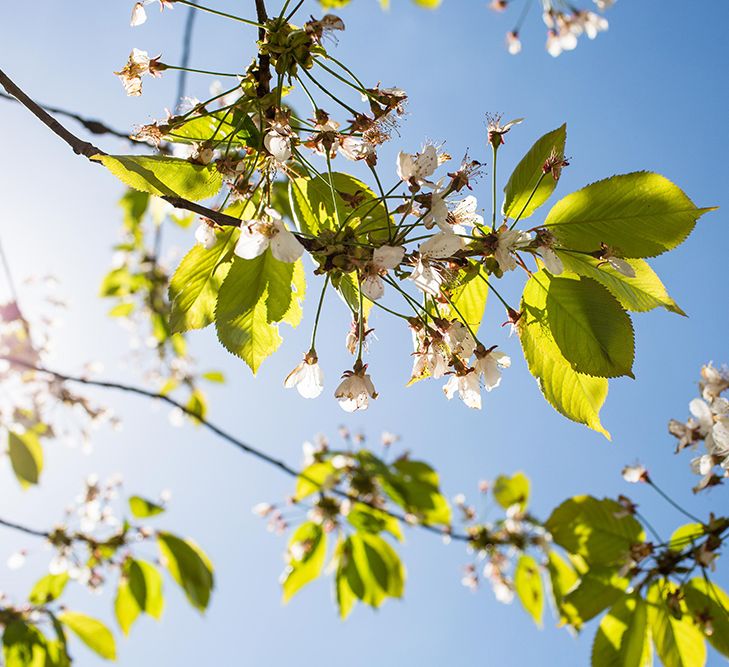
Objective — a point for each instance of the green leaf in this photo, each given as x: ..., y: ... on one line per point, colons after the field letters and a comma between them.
x: 595, y: 529
x: 512, y: 490
x: 370, y: 520
x: 375, y: 571
x: 214, y: 376
x: 91, y: 632
x: 139, y: 590
x: 25, y: 646
x: 599, y: 588
x: 345, y: 571
x: 685, y: 536
x: 529, y: 587
x: 142, y: 508
x: 48, y: 588
x: 134, y: 204
x: 678, y: 642
x: 589, y: 326
x: 237, y: 129
x: 316, y: 209
x: 525, y: 177
x: 255, y: 296
x: 577, y: 396
x: 642, y: 293
x: 310, y: 542
x: 706, y: 599
x: 164, y: 176
x: 639, y: 215
x: 469, y: 299
x: 194, y: 286
x: 189, y: 566
x: 26, y: 457
x: 562, y: 577
x: 623, y: 640
x: 121, y: 310
x: 414, y: 486
x: 315, y: 477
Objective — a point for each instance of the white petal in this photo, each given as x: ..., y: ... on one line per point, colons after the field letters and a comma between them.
x: 373, y: 287
x: 251, y: 243
x: 205, y: 236
x: 388, y: 257
x: 552, y: 262
x: 442, y: 245
x: 700, y: 409
x: 278, y: 145
x: 451, y: 387
x: 139, y: 16
x: 285, y: 246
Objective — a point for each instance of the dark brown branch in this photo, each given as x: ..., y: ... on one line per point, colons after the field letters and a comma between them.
x: 88, y: 150
x: 239, y: 444
x: 24, y: 529
x: 264, y: 61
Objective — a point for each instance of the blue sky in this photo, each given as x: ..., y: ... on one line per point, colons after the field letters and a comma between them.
x: 649, y: 94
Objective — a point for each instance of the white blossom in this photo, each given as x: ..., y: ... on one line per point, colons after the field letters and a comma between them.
x: 355, y: 390
x: 384, y: 258
x: 256, y: 236
x: 307, y: 377
x: 418, y: 167
x: 467, y: 386
x: 488, y: 367
x: 508, y: 242
x: 139, y: 15
x: 205, y: 235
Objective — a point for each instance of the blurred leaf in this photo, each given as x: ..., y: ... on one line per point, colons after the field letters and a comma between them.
x: 707, y: 599
x: 91, y: 632
x: 595, y: 529
x: 310, y: 541
x: 512, y: 490
x: 139, y: 590
x: 623, y: 640
x: 189, y: 566
x: 26, y: 457
x: 315, y: 477
x: 598, y: 589
x: 370, y: 520
x: 678, y: 642
x: 685, y: 535
x: 529, y: 587
x: 142, y: 508
x: 48, y: 588
x: 562, y: 577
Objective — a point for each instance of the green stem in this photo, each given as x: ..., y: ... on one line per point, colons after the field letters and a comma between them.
x: 217, y: 13
x: 531, y: 196
x: 318, y: 315
x: 673, y: 503
x: 493, y: 189
x: 199, y: 71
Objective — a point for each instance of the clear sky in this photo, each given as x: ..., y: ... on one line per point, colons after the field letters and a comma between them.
x: 650, y: 94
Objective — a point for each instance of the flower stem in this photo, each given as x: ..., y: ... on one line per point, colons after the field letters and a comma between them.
x: 531, y: 196
x: 673, y: 503
x: 217, y: 13
x: 318, y: 315
x: 493, y: 189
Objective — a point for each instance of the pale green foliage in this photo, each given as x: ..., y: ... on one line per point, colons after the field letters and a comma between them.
x: 164, y: 176
x: 529, y: 587
x: 142, y: 508
x: 623, y: 640
x: 309, y: 542
x: 139, y: 591
x: 189, y: 566
x: 26, y: 457
x: 512, y: 490
x: 91, y: 632
x: 519, y: 200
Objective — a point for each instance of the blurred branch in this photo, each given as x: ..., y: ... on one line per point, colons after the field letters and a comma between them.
x: 24, y: 529
x: 231, y: 439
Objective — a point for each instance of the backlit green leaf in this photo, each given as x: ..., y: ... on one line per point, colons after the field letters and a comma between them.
x: 525, y: 177
x: 706, y: 599
x: 142, y: 508
x: 512, y: 490
x: 623, y: 640
x: 529, y: 587
x: 164, y: 176
x: 189, y: 567
x: 306, y: 553
x: 26, y: 457
x: 91, y: 632
x: 48, y: 588
x: 640, y: 215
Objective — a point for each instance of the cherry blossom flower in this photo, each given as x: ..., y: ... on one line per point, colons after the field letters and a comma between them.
x: 205, y: 235
x: 256, y: 236
x: 418, y: 167
x: 612, y: 257
x: 513, y: 43
x: 508, y: 242
x: 427, y: 276
x: 496, y: 130
x: 278, y: 142
x: 17, y: 560
x: 713, y: 381
x: 139, y: 15
x: 545, y: 247
x: 139, y: 64
x: 383, y: 259
x: 635, y: 473
x: 307, y: 377
x: 356, y: 389
x: 430, y: 358
x: 459, y: 339
x: 488, y: 366
x: 466, y: 383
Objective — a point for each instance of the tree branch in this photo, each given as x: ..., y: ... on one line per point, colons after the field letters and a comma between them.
x: 227, y: 437
x: 88, y: 150
x: 24, y: 529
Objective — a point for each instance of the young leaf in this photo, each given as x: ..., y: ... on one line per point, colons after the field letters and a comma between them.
x: 345, y: 572
x: 194, y: 286
x: 469, y: 301
x: 142, y: 508
x: 642, y: 293
x: 316, y: 208
x: 577, y: 396
x: 91, y: 632
x: 189, y: 567
x: 370, y: 520
x: 623, y: 640
x: 640, y: 215
x: 25, y: 646
x: 139, y: 590
x: 525, y: 177
x: 512, y: 490
x: 164, y: 176
x: 706, y: 599
x: 313, y: 478
x: 307, y: 552
x: 126, y: 607
x: 562, y: 577
x: 685, y: 535
x: 595, y: 530
x: 599, y: 588
x: 678, y: 642
x: 414, y: 486
x: 378, y: 568
x: 589, y: 326
x: 26, y: 457
x: 529, y: 587
x: 255, y: 296
x: 48, y: 588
